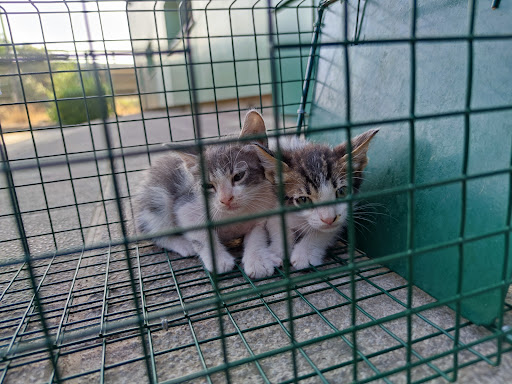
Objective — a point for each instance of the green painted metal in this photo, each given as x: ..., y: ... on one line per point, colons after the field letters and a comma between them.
x: 293, y: 26
x: 172, y: 20
x: 450, y: 77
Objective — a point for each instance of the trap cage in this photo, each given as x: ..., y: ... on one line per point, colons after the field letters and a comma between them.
x: 90, y: 91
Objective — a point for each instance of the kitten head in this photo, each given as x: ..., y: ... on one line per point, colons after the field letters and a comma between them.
x: 316, y: 173
x: 235, y: 176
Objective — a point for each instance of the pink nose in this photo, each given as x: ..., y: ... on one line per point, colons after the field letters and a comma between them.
x: 328, y: 220
x: 226, y: 200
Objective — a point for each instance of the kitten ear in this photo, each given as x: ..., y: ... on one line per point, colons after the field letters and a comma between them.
x: 360, y: 145
x: 190, y: 161
x: 254, y: 125
x: 270, y: 163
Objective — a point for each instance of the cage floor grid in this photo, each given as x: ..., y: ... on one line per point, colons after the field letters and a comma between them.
x: 89, y: 309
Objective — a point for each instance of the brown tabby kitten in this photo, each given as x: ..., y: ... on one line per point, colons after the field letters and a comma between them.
x: 316, y: 173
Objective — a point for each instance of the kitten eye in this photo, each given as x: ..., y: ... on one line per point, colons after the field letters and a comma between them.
x: 209, y: 187
x: 341, y: 192
x: 303, y: 200
x: 239, y: 176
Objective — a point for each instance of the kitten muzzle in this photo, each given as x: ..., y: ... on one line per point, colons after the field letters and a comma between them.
x: 226, y: 200
x: 328, y: 220
x: 331, y: 223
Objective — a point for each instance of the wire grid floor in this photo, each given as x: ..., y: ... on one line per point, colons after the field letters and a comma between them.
x: 84, y: 294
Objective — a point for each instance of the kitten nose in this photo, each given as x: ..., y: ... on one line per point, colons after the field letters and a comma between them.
x: 226, y: 200
x: 328, y: 220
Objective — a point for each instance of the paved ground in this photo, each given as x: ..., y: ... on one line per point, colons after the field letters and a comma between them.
x: 100, y: 285
x: 256, y: 325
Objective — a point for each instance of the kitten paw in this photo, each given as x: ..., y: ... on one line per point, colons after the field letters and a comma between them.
x: 179, y: 245
x: 261, y: 265
x: 276, y: 255
x: 299, y: 263
x: 302, y: 258
x: 277, y: 261
x: 316, y: 260
x: 223, y: 261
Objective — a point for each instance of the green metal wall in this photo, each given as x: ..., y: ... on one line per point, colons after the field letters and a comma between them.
x: 380, y: 80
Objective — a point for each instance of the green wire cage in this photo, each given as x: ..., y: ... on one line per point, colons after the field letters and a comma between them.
x: 416, y: 292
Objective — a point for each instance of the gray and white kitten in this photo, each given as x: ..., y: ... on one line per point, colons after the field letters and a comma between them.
x: 172, y: 196
x: 315, y: 173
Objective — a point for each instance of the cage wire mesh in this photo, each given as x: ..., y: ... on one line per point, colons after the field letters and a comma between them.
x: 90, y: 90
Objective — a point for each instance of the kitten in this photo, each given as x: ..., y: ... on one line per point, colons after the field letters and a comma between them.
x: 172, y: 196
x: 315, y: 173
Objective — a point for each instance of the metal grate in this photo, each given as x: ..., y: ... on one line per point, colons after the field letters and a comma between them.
x: 89, y: 310
x: 84, y: 299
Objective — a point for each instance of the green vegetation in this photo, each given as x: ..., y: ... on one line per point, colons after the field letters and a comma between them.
x: 69, y: 85
x: 84, y: 99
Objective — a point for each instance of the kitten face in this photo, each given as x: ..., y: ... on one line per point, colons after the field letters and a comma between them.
x: 315, y: 173
x: 319, y: 176
x: 236, y: 179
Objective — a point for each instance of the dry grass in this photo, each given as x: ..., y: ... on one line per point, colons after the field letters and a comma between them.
x: 15, y: 116
x: 127, y: 105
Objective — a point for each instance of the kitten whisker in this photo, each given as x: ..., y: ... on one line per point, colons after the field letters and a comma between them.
x: 303, y: 233
x: 363, y: 209
x: 372, y: 205
x: 378, y: 214
x: 360, y: 228
x: 301, y: 226
x: 364, y: 219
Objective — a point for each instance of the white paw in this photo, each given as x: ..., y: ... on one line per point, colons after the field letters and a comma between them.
x: 223, y: 261
x: 277, y: 260
x: 185, y: 248
x: 179, y: 245
x: 261, y: 264
x: 302, y: 257
x: 299, y: 259
x: 316, y: 259
x: 275, y: 256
